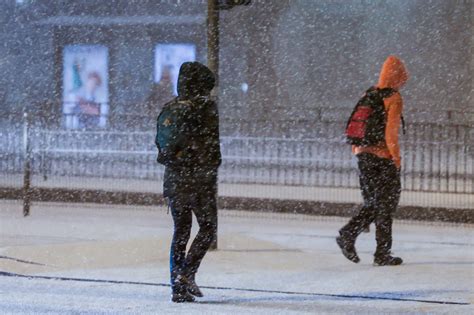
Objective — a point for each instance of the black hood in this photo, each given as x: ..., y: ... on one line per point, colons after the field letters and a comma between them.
x: 195, y: 79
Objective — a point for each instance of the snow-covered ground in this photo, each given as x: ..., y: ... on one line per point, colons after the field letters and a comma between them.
x: 266, y: 263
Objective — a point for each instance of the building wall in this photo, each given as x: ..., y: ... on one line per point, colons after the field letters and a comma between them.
x: 31, y: 54
x: 304, y: 61
x: 308, y: 59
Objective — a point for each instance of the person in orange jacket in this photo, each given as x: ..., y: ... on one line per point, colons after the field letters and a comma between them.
x: 379, y: 169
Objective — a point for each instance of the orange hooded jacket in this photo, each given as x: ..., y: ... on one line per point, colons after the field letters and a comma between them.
x: 393, y: 75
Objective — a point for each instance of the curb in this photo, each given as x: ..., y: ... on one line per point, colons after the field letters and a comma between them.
x: 238, y: 203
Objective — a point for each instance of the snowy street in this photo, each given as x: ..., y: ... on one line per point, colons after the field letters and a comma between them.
x: 274, y: 122
x: 98, y: 259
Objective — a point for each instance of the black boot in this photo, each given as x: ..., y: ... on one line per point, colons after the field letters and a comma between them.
x: 387, y: 260
x: 180, y: 292
x: 192, y: 287
x: 348, y: 249
x: 182, y: 297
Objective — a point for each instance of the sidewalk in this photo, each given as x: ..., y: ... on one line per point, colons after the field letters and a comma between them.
x: 265, y: 264
x: 292, y: 193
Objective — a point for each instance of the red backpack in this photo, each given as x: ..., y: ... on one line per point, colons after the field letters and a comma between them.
x: 366, y: 125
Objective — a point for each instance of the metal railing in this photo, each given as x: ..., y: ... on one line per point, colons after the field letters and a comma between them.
x: 436, y: 157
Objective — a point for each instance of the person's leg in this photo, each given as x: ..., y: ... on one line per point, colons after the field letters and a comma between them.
x: 206, y: 214
x: 358, y: 223
x: 387, y: 198
x: 366, y: 215
x: 182, y: 218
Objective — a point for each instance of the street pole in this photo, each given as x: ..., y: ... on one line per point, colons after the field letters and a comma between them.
x: 27, y: 166
x: 213, y: 42
x: 213, y: 61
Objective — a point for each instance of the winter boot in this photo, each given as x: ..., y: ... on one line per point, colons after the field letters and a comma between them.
x: 192, y: 287
x: 182, y: 297
x: 348, y: 249
x: 387, y: 260
x: 180, y: 292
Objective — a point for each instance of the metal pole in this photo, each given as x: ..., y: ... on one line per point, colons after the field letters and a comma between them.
x: 213, y: 42
x: 213, y: 60
x: 27, y: 166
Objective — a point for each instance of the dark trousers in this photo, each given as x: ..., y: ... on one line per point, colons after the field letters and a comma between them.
x: 201, y: 202
x: 380, y: 187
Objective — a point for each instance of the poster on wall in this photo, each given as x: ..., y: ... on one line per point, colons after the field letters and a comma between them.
x: 168, y: 60
x: 85, y: 86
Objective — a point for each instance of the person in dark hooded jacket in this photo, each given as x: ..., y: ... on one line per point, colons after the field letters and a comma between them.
x: 188, y: 143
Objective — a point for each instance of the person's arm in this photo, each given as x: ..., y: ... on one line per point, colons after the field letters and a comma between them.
x: 395, y: 106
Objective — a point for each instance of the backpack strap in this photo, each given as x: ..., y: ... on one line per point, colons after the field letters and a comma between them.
x: 386, y: 92
x: 403, y: 125
x: 371, y: 89
x: 185, y: 102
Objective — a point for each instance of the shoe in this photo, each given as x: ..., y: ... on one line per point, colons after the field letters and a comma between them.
x: 192, y: 287
x: 348, y: 249
x: 182, y: 297
x: 387, y: 260
x: 180, y: 291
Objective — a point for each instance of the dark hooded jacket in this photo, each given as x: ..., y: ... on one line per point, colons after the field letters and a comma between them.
x: 200, y: 156
x: 195, y: 80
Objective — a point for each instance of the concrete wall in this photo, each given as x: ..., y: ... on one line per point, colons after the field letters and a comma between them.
x: 31, y: 50
x: 307, y: 58
x: 303, y: 60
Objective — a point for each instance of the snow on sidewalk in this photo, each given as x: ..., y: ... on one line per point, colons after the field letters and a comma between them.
x: 283, y: 264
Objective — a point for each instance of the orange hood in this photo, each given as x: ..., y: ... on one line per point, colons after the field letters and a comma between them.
x: 393, y: 74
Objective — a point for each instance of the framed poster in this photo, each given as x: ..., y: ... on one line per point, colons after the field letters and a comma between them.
x: 85, y: 87
x: 168, y: 60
